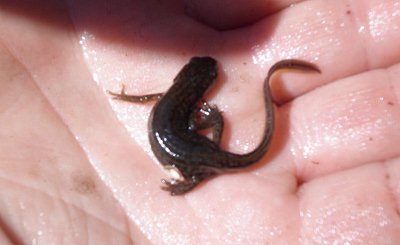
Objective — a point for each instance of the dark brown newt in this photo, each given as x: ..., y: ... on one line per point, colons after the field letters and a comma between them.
x: 180, y: 112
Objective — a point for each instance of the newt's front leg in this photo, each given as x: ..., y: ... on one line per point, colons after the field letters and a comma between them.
x: 208, y: 117
x: 135, y: 98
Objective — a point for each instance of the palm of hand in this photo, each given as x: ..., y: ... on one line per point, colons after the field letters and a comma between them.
x: 71, y: 172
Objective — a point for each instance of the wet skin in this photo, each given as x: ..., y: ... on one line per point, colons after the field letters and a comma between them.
x: 181, y: 112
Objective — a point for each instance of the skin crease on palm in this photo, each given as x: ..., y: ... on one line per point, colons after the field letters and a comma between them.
x: 76, y: 166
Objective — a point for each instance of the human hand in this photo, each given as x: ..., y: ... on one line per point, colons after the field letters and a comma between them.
x: 76, y: 166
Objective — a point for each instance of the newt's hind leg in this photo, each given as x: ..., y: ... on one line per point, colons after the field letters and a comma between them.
x: 180, y: 187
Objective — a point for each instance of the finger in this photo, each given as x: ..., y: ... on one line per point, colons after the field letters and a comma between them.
x: 342, y: 39
x: 351, y: 122
x: 225, y: 14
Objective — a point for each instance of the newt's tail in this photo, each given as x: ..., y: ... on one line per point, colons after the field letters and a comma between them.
x: 255, y: 155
